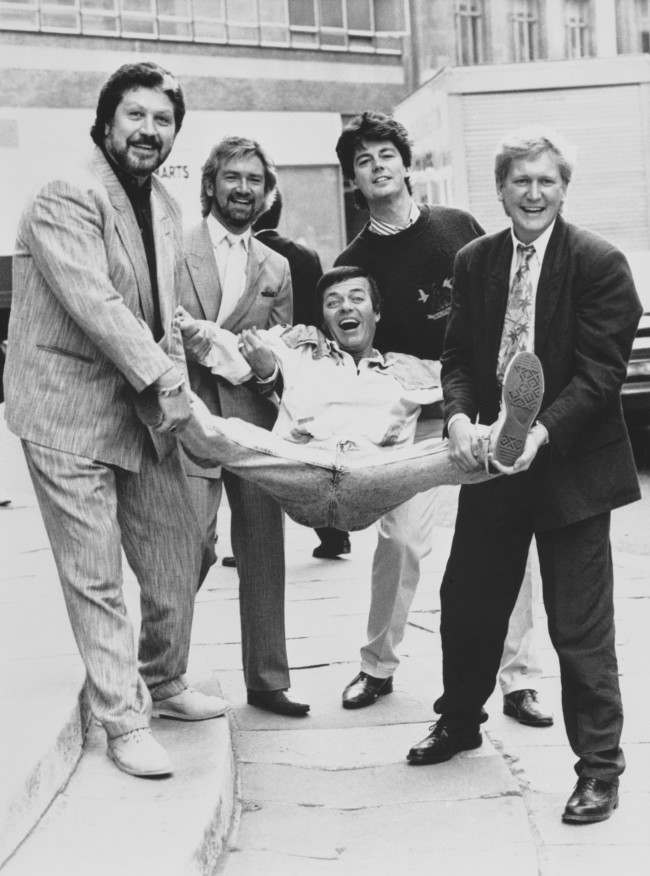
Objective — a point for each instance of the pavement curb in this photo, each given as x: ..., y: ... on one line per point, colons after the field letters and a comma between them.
x: 24, y: 805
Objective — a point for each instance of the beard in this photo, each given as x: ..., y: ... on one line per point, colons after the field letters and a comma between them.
x: 133, y: 161
x: 235, y: 213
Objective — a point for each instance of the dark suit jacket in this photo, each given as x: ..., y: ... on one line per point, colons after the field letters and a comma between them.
x: 266, y: 301
x: 586, y: 315
x: 306, y: 271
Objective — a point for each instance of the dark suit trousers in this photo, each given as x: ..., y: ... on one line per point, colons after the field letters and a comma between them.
x: 257, y: 537
x: 493, y: 531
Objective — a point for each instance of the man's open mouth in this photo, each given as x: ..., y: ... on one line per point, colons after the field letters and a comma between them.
x: 349, y: 324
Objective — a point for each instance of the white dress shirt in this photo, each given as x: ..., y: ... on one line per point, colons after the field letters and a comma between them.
x: 231, y: 256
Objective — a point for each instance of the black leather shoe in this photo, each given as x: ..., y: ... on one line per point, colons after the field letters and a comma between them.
x: 592, y: 800
x: 330, y: 549
x: 364, y: 690
x: 277, y: 701
x: 522, y: 706
x: 443, y: 742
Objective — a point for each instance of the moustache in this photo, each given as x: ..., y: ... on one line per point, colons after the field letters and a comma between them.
x: 146, y: 140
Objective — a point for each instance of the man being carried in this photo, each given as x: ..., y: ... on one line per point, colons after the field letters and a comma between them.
x: 341, y: 452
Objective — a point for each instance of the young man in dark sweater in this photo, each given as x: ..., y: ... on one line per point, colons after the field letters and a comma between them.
x: 410, y: 252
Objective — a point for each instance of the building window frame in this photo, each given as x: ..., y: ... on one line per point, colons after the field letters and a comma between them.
x: 525, y: 36
x: 578, y: 29
x: 470, y: 23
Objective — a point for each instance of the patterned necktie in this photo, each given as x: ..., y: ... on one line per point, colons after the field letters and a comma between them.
x: 516, y: 325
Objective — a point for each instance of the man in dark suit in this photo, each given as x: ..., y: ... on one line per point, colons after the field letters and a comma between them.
x: 306, y: 271
x: 304, y: 264
x: 567, y: 295
x: 236, y: 281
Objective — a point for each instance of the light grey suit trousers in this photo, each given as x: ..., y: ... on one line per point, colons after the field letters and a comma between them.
x: 91, y: 509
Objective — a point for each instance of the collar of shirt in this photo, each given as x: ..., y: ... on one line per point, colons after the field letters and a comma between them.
x: 385, y: 229
x: 218, y: 233
x: 540, y: 243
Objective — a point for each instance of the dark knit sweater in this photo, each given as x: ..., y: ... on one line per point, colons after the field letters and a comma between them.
x: 414, y: 271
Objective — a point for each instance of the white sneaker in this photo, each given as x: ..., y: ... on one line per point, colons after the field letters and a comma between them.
x: 139, y: 754
x: 190, y: 705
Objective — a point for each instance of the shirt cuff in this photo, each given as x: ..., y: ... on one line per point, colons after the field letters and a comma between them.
x: 543, y: 432
x: 263, y: 381
x: 456, y: 417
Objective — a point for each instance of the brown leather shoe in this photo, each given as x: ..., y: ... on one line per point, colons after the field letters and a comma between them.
x: 592, y: 800
x: 443, y: 742
x: 364, y: 690
x: 522, y: 706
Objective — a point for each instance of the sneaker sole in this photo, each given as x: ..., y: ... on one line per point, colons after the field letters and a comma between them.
x: 144, y: 774
x: 523, y: 391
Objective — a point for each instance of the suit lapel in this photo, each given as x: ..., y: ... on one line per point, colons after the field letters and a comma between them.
x: 549, y: 287
x: 202, y: 267
x: 128, y: 231
x: 496, y: 294
x: 256, y: 258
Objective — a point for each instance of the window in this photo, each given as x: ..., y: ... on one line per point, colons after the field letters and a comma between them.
x: 100, y: 17
x: 62, y: 16
x: 274, y: 26
x: 524, y: 23
x: 470, y: 30
x: 642, y: 21
x: 577, y: 28
x: 365, y: 25
x: 20, y: 15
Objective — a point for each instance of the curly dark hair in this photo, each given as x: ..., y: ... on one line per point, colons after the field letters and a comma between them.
x: 144, y: 74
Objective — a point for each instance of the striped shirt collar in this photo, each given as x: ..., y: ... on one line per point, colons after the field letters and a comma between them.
x: 385, y: 229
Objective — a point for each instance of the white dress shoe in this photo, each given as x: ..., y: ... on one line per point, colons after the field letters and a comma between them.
x: 138, y: 754
x: 190, y: 705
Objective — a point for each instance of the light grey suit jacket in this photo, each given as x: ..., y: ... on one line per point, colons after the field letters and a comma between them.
x: 266, y: 301
x: 79, y: 348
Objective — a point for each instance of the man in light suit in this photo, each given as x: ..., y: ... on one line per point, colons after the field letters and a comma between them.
x: 233, y: 279
x: 90, y: 345
x: 567, y: 295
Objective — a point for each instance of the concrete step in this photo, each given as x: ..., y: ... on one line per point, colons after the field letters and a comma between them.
x: 43, y: 720
x: 105, y: 822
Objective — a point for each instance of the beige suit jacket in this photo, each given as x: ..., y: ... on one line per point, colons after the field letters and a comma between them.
x: 79, y: 348
x: 266, y: 301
